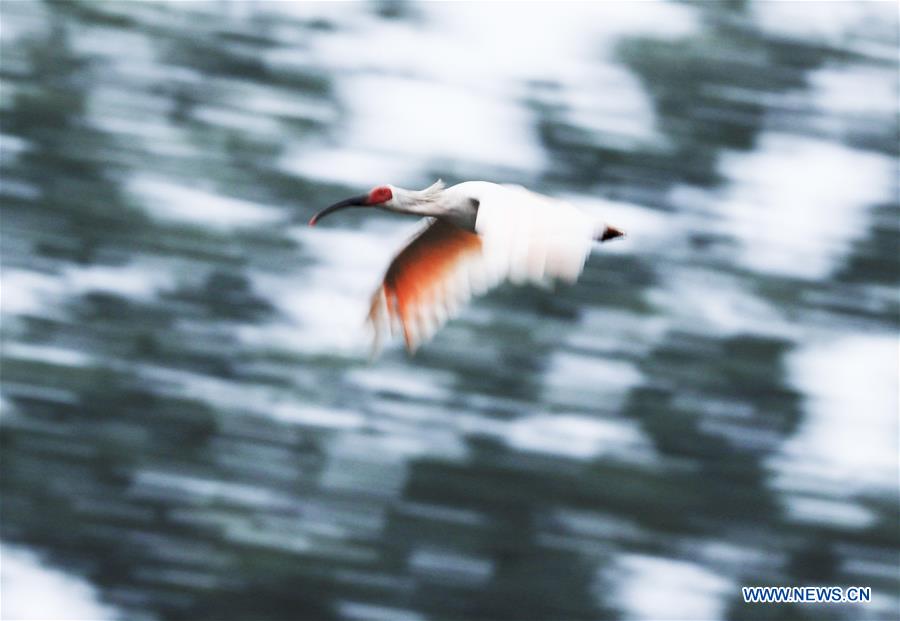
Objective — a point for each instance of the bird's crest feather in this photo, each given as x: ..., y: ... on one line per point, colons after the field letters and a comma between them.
x: 431, y: 193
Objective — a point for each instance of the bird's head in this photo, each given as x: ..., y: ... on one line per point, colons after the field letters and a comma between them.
x: 379, y: 196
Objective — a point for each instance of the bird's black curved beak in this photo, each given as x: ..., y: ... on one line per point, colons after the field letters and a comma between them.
x: 353, y: 201
x: 611, y: 232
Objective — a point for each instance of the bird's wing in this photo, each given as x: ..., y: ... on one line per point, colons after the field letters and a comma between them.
x: 426, y: 283
x: 527, y: 237
x: 519, y: 235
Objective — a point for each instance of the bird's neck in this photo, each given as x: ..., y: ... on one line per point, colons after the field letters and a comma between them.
x: 416, y: 206
x: 428, y: 202
x: 460, y: 214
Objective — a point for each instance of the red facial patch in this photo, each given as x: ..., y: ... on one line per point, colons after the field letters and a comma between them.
x: 381, y: 194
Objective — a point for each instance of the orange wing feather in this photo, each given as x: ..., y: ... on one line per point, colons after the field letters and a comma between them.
x: 415, y: 291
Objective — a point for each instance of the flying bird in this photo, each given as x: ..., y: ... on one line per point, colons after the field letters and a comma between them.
x: 476, y: 234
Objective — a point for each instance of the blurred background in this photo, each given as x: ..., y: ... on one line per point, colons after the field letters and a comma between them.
x: 190, y: 426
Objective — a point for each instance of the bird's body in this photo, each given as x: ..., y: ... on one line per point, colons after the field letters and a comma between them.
x: 477, y: 234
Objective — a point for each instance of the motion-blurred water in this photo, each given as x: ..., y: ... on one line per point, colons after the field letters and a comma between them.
x: 190, y: 427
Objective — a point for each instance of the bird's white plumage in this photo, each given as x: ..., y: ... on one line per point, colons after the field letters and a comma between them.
x: 519, y: 236
x: 531, y: 238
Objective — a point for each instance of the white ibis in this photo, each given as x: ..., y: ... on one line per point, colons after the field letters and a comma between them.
x: 476, y: 235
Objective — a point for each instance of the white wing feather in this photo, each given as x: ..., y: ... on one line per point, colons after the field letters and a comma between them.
x: 531, y: 238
